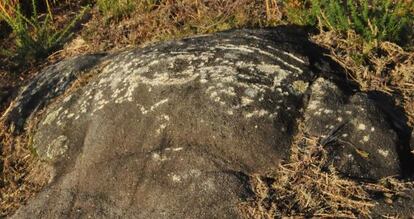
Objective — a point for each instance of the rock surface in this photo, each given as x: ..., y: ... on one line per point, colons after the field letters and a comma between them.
x: 365, y: 144
x: 175, y: 129
x: 53, y: 82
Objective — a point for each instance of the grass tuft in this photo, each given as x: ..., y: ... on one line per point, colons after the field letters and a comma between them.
x: 375, y: 21
x: 117, y: 9
x: 35, y: 36
x: 21, y: 174
x: 158, y: 20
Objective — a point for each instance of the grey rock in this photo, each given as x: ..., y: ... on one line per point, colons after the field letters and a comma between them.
x: 53, y: 81
x: 364, y: 144
x: 171, y: 131
x: 175, y: 129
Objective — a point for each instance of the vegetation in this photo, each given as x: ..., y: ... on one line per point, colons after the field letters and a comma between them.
x: 35, y: 36
x: 167, y: 19
x: 116, y: 9
x: 39, y: 34
x: 309, y: 186
x: 375, y: 21
x: 373, y: 40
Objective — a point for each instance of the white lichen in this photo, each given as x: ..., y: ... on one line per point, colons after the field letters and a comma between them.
x: 361, y: 126
x: 384, y: 153
x: 57, y: 147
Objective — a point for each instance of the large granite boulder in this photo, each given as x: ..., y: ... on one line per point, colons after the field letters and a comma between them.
x: 174, y: 130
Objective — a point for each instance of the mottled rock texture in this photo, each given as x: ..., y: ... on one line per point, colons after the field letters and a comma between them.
x: 365, y: 144
x: 175, y: 129
x: 53, y: 81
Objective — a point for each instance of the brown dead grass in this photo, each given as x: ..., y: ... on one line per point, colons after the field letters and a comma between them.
x: 301, y: 188
x: 309, y: 186
x: 387, y: 67
x: 23, y: 175
x: 171, y: 19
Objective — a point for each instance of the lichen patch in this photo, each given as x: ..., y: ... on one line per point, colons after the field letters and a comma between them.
x: 300, y: 86
x: 361, y: 126
x: 52, y: 116
x: 257, y: 113
x: 384, y: 153
x: 156, y: 105
x: 57, y: 147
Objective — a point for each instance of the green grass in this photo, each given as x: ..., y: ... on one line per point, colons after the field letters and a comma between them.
x: 117, y: 9
x: 35, y: 37
x: 375, y: 21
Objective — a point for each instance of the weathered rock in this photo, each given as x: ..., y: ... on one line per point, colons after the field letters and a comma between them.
x: 174, y: 130
x: 365, y: 144
x: 171, y: 130
x: 53, y: 81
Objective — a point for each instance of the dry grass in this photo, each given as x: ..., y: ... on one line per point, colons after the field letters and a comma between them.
x: 301, y: 188
x: 388, y: 68
x: 22, y: 175
x: 169, y: 19
x: 309, y: 185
